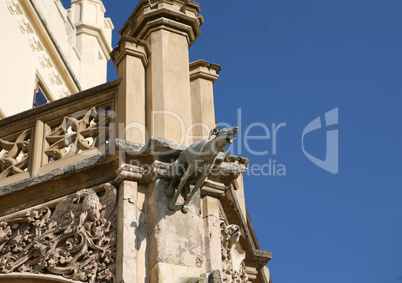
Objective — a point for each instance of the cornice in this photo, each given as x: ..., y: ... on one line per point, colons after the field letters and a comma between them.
x: 203, y: 69
x: 131, y: 46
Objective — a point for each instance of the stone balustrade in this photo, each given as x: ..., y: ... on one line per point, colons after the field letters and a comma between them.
x: 48, y: 137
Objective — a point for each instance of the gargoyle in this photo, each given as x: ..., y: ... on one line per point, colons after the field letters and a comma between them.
x: 195, y: 163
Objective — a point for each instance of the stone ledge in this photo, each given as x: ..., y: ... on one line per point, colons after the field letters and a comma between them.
x: 56, y: 183
x: 70, y: 168
x: 156, y: 148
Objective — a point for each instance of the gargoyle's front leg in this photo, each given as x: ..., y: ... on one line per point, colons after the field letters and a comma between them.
x: 170, y: 189
x: 183, y: 180
x: 195, y: 189
x: 173, y: 170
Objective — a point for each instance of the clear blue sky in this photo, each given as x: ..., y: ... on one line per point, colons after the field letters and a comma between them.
x: 291, y: 61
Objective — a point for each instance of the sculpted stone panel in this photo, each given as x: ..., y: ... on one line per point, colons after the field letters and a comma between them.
x: 14, y: 154
x: 76, y: 239
x: 233, y: 269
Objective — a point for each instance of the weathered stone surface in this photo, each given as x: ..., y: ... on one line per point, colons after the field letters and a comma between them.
x: 175, y: 237
x: 215, y: 277
x: 164, y: 272
x: 128, y: 146
x: 158, y: 148
x: 127, y: 230
x: 212, y: 233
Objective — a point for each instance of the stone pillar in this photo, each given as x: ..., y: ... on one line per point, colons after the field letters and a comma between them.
x: 202, y: 77
x: 212, y: 235
x: 126, y: 258
x: 175, y: 239
x: 131, y: 258
x: 170, y: 27
x: 93, y: 40
x: 131, y: 59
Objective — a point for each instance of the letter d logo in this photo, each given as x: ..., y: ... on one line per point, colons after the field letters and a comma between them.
x: 330, y: 163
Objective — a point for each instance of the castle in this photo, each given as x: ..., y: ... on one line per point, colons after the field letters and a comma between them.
x: 86, y: 166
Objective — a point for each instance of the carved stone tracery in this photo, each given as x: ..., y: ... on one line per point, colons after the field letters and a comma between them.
x: 76, y: 239
x: 82, y: 131
x: 14, y: 154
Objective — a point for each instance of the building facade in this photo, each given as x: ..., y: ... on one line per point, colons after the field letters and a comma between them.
x: 51, y: 51
x: 126, y: 181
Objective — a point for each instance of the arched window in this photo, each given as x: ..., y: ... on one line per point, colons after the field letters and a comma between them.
x: 40, y: 96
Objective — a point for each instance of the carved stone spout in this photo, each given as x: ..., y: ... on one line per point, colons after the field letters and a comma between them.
x: 196, y: 162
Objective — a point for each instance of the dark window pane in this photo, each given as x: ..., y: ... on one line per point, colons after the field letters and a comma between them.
x: 40, y: 97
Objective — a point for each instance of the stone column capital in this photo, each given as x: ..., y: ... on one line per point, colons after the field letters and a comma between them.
x: 130, y: 46
x: 203, y: 69
x: 172, y: 15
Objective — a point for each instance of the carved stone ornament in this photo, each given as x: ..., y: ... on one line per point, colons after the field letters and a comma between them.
x: 233, y: 255
x: 76, y: 239
x: 195, y: 164
x: 86, y: 130
x: 14, y: 154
